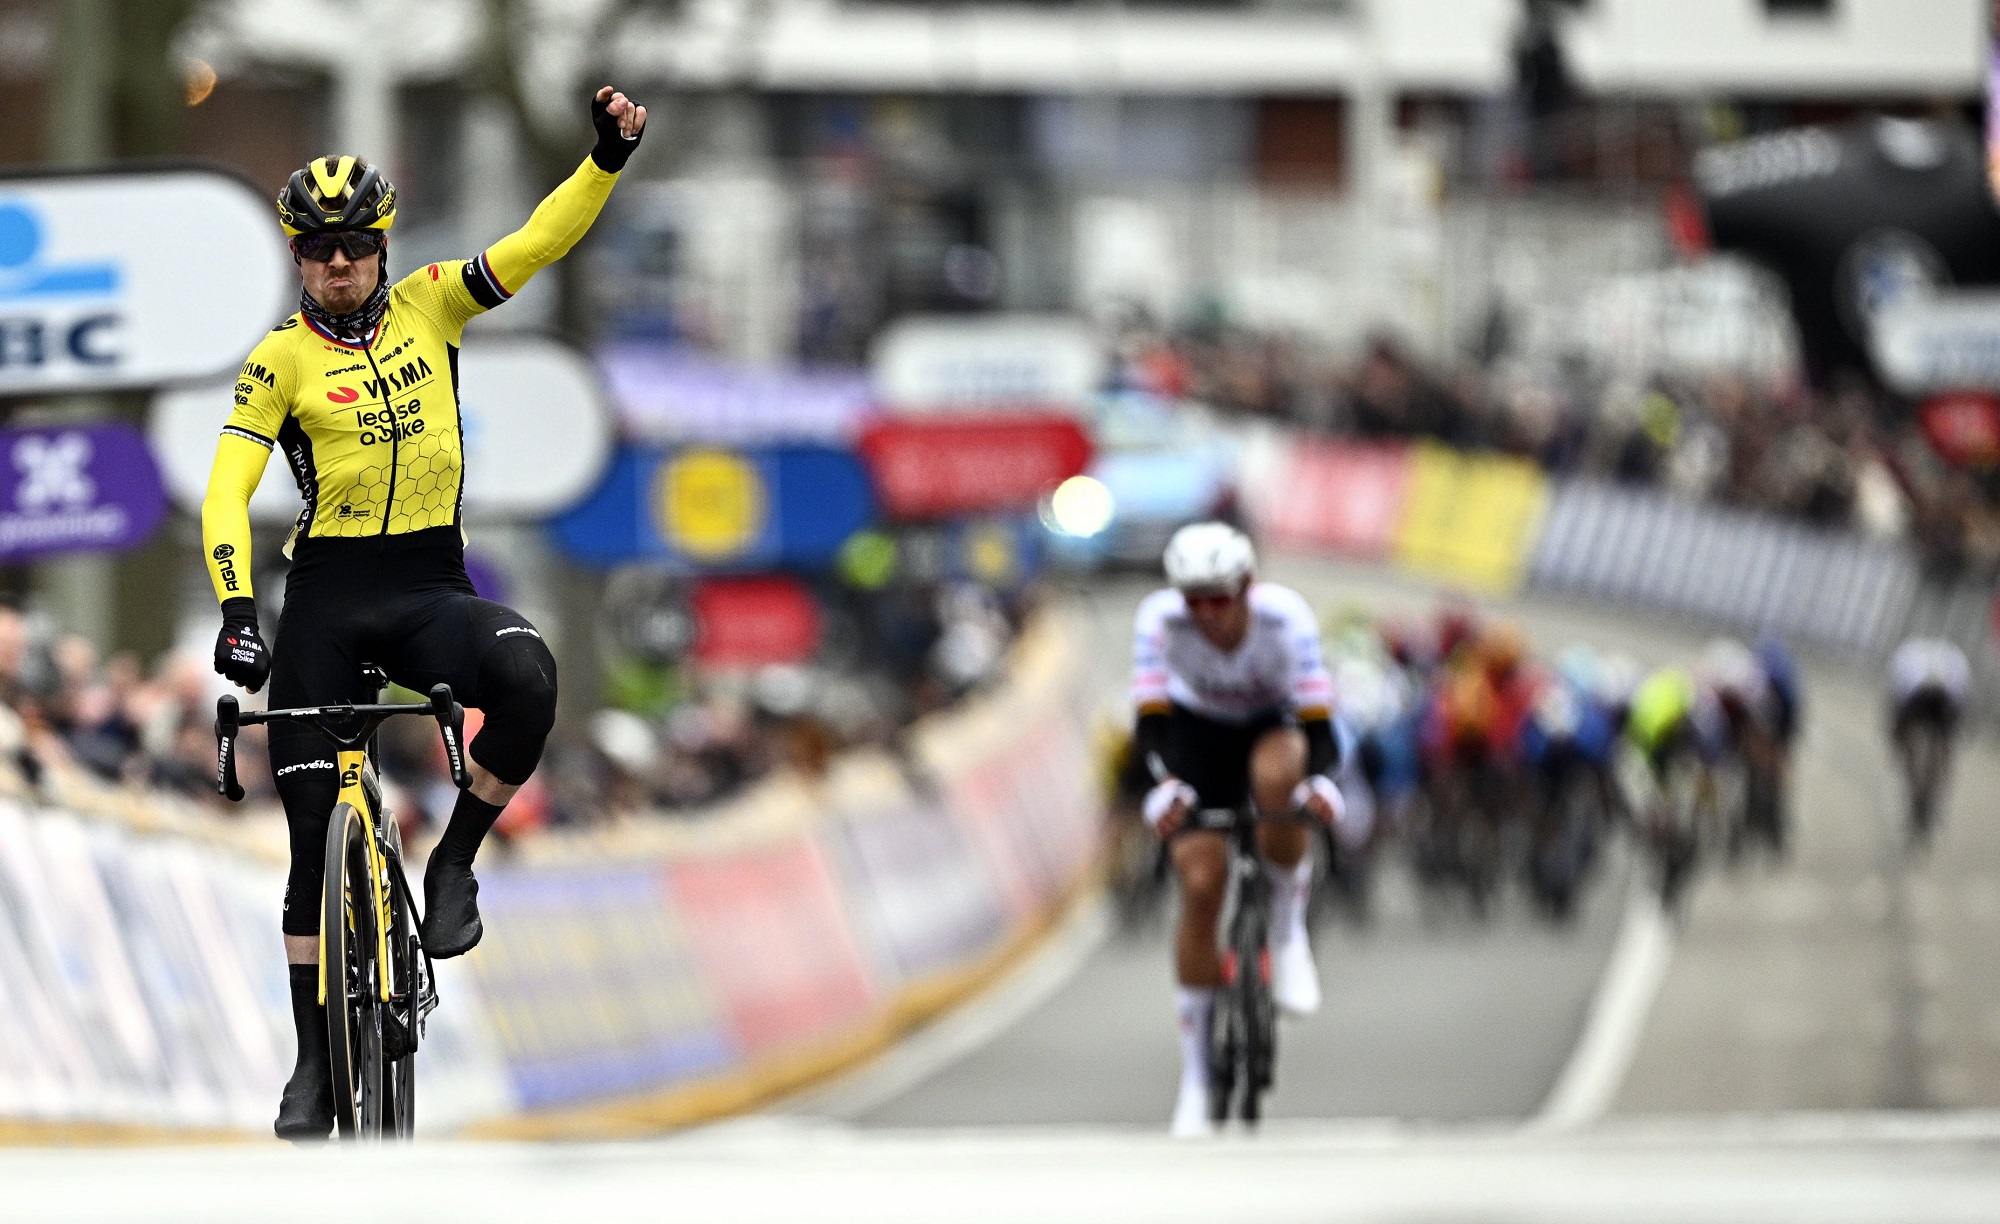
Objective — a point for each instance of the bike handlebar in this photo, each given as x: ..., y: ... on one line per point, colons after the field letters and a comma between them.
x: 231, y: 718
x: 1224, y: 820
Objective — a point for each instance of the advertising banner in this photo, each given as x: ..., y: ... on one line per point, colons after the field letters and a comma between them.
x: 1963, y: 427
x: 711, y: 509
x: 1000, y: 553
x: 774, y: 941
x: 102, y: 994
x: 48, y: 1056
x: 1032, y: 823
x: 537, y: 434
x: 1938, y: 340
x: 664, y: 397
x: 754, y: 622
x: 957, y: 364
x: 84, y: 488
x: 939, y: 468
x: 1347, y: 497
x: 213, y: 989
x: 591, y: 988
x: 94, y: 297
x: 924, y: 901
x: 1470, y: 518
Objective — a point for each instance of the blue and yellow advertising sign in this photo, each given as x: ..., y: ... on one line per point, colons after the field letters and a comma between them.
x: 716, y: 509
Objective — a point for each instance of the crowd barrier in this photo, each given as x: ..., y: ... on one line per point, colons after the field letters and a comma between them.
x: 655, y: 973
x: 1493, y: 524
x: 1751, y: 571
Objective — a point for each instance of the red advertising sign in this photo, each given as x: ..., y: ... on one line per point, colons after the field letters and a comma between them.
x: 1343, y: 496
x: 769, y: 930
x: 1963, y: 427
x: 751, y: 622
x: 934, y: 468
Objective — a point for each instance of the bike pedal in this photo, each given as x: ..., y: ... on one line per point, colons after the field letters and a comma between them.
x: 399, y: 1038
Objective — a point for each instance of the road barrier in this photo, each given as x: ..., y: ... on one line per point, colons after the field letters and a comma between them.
x: 1493, y: 524
x: 660, y: 972
x: 1751, y: 571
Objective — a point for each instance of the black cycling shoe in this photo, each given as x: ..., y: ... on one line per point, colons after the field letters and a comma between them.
x: 305, y: 1112
x: 451, y: 910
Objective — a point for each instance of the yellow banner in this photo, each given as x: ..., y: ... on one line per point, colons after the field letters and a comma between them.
x: 1470, y: 519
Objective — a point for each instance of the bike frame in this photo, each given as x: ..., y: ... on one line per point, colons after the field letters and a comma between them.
x: 353, y: 763
x: 351, y: 730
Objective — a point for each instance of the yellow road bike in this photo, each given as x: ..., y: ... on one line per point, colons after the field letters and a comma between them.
x: 375, y: 977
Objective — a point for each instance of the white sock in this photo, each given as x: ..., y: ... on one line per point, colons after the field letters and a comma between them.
x: 1290, y: 886
x: 1195, y: 1004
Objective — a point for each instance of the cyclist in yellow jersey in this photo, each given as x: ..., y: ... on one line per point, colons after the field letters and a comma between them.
x: 359, y: 391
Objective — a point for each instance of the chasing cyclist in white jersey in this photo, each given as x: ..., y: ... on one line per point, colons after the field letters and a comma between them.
x: 1929, y: 682
x: 1234, y: 706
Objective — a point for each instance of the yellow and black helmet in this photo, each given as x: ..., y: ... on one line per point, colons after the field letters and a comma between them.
x: 336, y: 193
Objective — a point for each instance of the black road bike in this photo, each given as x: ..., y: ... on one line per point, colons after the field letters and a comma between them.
x: 375, y: 976
x: 1243, y: 1033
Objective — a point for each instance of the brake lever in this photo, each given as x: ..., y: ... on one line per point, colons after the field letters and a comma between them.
x: 226, y: 726
x: 451, y: 725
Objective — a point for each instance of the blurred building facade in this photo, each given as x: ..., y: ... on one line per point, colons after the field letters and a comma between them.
x: 1326, y: 167
x: 1330, y: 169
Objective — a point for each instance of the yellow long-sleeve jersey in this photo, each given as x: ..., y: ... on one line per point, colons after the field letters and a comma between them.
x: 372, y: 433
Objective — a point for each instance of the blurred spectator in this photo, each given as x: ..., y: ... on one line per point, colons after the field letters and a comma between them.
x: 1851, y: 458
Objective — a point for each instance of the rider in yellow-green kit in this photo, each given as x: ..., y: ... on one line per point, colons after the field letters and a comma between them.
x: 359, y: 391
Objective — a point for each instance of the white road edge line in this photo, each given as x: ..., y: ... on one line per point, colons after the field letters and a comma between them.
x: 965, y: 1029
x: 1632, y: 978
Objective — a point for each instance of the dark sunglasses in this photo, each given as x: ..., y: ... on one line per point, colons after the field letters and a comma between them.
x: 359, y: 244
x: 1211, y: 601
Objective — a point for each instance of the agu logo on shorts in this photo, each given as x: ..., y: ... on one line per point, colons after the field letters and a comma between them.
x: 709, y: 504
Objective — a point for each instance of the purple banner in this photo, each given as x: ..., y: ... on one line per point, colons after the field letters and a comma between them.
x: 669, y: 396
x: 82, y: 488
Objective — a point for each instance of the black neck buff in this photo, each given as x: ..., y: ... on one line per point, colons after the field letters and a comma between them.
x: 357, y: 325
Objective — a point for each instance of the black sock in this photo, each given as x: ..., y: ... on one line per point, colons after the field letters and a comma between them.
x: 470, y: 821
x: 308, y: 1016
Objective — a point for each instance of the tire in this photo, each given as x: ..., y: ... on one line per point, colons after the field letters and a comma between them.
x: 1255, y: 1008
x: 353, y: 1013
x: 1224, y: 1049
x: 1260, y: 1036
x: 404, y: 951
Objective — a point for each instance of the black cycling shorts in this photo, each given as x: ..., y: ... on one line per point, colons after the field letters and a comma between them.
x: 401, y: 602
x: 1214, y: 756
x: 404, y: 604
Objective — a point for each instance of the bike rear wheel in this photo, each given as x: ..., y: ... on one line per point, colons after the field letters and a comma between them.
x: 351, y: 965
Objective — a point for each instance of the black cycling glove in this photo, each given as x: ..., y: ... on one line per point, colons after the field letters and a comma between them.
x: 613, y: 146
x: 240, y: 654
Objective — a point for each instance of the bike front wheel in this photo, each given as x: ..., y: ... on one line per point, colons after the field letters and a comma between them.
x: 351, y: 965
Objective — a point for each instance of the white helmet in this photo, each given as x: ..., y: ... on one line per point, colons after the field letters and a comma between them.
x: 1728, y: 666
x: 1209, y: 556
